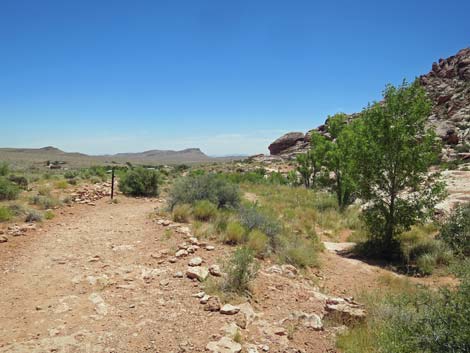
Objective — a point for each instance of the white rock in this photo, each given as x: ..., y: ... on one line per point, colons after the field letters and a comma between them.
x: 194, y: 241
x: 181, y: 253
x: 224, y: 345
x: 195, y: 261
x: 210, y: 247
x: 199, y: 273
x: 205, y: 299
x: 214, y: 270
x: 229, y: 309
x: 100, y: 306
x: 178, y: 274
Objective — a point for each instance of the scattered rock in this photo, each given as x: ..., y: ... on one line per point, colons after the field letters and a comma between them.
x: 213, y: 304
x: 195, y: 261
x: 210, y: 247
x: 214, y: 270
x: 181, y: 253
x: 312, y: 321
x: 178, y: 274
x: 344, y: 309
x: 200, y: 273
x: 100, y: 306
x: 224, y: 345
x: 3, y: 238
x: 280, y: 331
x: 205, y: 299
x: 229, y: 309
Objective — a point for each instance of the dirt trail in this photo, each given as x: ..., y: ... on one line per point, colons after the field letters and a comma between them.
x: 102, y: 279
x: 79, y: 286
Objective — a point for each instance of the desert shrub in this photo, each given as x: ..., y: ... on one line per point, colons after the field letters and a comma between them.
x: 71, y: 174
x: 204, y: 210
x: 253, y: 217
x: 94, y: 179
x: 421, y: 252
x: 33, y: 216
x: 414, y: 319
x: 181, y: 213
x: 241, y: 269
x: 235, y: 233
x: 61, y: 184
x: 209, y: 187
x: 45, y: 202
x: 49, y: 214
x: 5, y: 214
x: 67, y: 200
x: 456, y: 230
x: 44, y: 190
x: 140, y: 182
x: 72, y: 181
x: 299, y: 251
x: 4, y: 169
x: 94, y: 171
x: 19, y: 180
x: 221, y: 221
x: 324, y: 201
x: 257, y: 242
x: 8, y: 190
x: 203, y: 230
x: 17, y: 209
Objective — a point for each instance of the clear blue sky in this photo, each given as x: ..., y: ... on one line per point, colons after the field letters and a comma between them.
x: 101, y: 76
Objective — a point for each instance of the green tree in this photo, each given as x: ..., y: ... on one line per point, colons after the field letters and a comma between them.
x: 394, y: 151
x: 310, y: 164
x: 340, y: 157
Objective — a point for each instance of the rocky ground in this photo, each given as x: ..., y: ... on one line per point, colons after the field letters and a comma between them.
x: 113, y: 278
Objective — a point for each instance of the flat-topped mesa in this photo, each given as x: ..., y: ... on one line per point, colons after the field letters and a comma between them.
x: 448, y: 87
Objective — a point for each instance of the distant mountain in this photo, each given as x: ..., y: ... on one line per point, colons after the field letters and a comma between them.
x: 192, y: 154
x: 39, y: 156
x: 448, y: 87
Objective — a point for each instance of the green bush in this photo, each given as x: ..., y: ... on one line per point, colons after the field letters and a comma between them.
x: 417, y: 319
x: 204, y: 210
x: 45, y: 202
x: 140, y: 182
x: 49, y: 214
x: 17, y: 209
x: 8, y: 190
x: 71, y: 174
x: 4, y: 169
x: 241, y: 269
x: 5, y: 214
x: 253, y: 217
x: 209, y: 187
x: 456, y: 230
x: 258, y: 242
x: 299, y: 252
x: 235, y: 233
x: 21, y: 181
x: 33, y: 216
x: 181, y: 213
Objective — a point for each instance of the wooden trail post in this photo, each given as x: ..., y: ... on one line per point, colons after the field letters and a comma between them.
x: 112, y: 183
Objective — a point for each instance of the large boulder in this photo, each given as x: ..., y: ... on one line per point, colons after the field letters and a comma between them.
x: 286, y: 141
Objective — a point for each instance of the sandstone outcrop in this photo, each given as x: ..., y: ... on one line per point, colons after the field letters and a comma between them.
x: 448, y: 87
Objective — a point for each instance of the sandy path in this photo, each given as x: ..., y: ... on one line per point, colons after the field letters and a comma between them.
x: 78, y: 286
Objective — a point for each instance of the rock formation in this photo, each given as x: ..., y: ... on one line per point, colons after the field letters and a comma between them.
x: 448, y: 87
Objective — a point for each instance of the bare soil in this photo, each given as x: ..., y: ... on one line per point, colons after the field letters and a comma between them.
x: 98, y: 279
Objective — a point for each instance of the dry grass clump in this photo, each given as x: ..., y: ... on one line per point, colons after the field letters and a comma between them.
x: 181, y: 213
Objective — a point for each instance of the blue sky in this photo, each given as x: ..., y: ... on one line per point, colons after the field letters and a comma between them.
x: 229, y: 77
